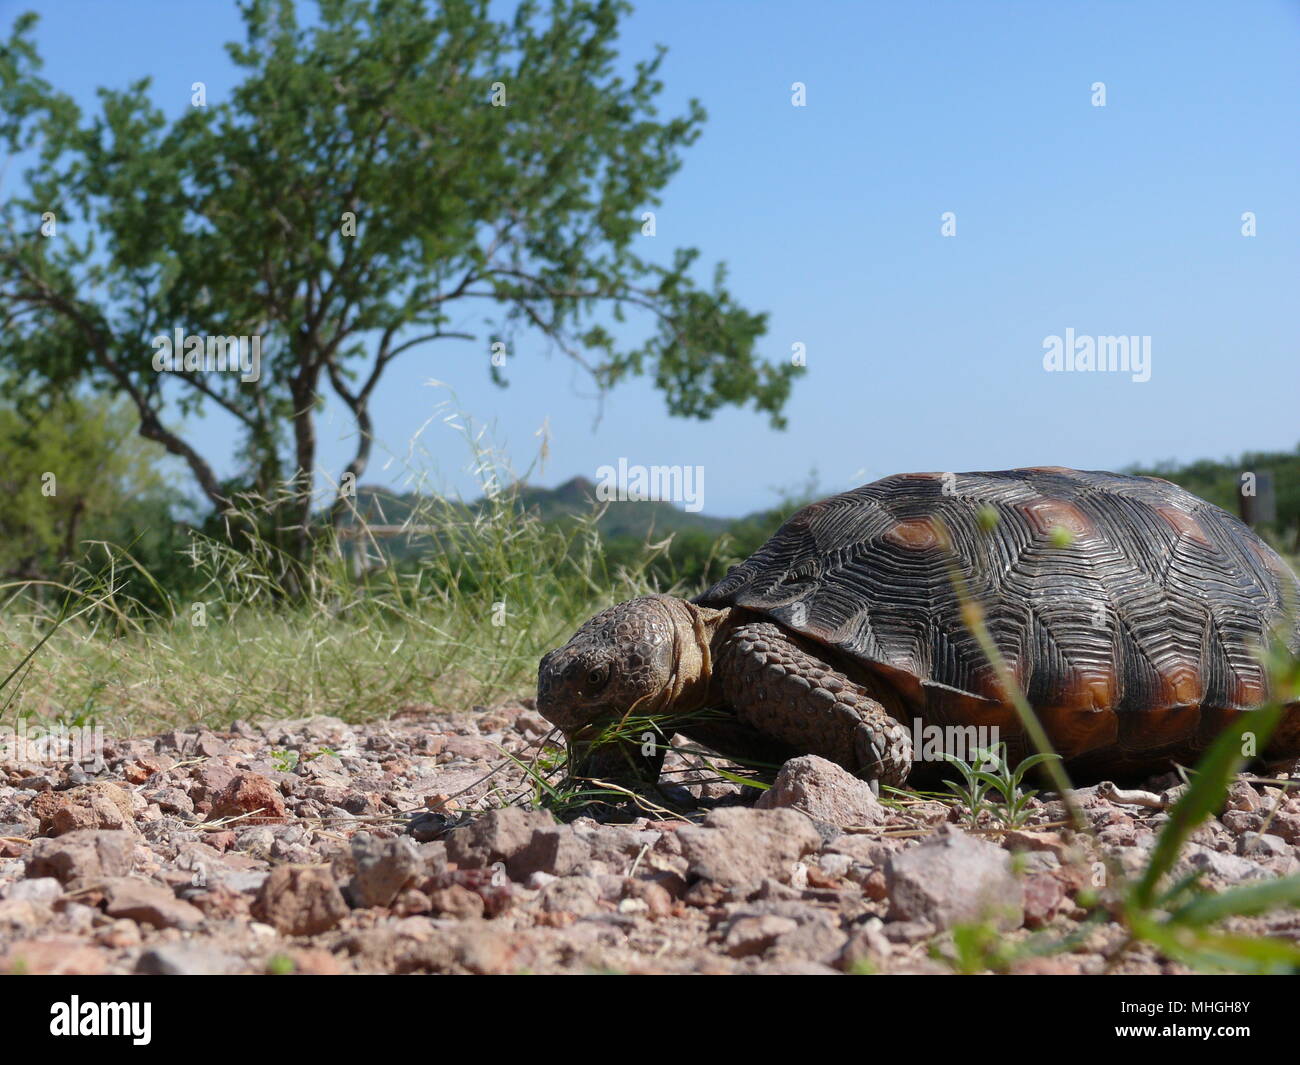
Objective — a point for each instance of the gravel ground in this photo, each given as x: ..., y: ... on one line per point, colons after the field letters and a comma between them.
x: 409, y: 845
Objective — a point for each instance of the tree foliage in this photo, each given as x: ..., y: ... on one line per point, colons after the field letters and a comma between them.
x: 494, y: 171
x: 70, y: 469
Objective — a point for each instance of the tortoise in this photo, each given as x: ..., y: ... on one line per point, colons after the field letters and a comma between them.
x: 1131, y: 614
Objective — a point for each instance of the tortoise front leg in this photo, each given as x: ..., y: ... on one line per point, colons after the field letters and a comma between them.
x: 790, y: 695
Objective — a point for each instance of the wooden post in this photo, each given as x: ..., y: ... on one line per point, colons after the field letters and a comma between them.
x: 1256, y: 498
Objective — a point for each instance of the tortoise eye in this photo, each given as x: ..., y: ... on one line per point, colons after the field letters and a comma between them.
x: 598, y: 678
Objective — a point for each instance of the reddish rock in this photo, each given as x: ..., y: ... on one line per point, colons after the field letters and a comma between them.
x: 82, y: 854
x: 737, y: 846
x: 222, y: 903
x: 219, y: 841
x: 312, y: 961
x: 250, y: 797
x: 876, y: 886
x: 954, y: 879
x: 659, y: 903
x: 824, y: 791
x: 53, y: 957
x: 554, y: 849
x: 300, y: 900
x: 139, y: 770
x: 23, y: 915
x: 384, y: 868
x: 210, y: 779
x: 412, y: 902
x: 1023, y: 839
x: 495, y: 836
x: 99, y: 805
x: 1243, y: 796
x: 1044, y: 894
x: 470, y: 748
x: 456, y: 901
x: 1286, y: 823
x: 147, y: 903
x: 750, y: 935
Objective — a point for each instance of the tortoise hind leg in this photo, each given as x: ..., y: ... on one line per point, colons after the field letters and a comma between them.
x: 792, y: 696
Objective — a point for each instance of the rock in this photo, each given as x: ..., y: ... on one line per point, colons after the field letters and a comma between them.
x: 53, y: 957
x: 746, y: 936
x: 471, y: 748
x: 496, y: 836
x: 102, y: 805
x: 819, y: 941
x: 615, y: 845
x: 249, y: 794
x: 384, y: 868
x: 22, y: 915
x: 737, y: 846
x: 866, y: 950
x: 256, y: 842
x: 1227, y: 867
x: 908, y: 931
x: 954, y: 879
x: 1044, y: 895
x: 148, y: 904
x: 43, y: 889
x: 119, y: 935
x: 1286, y: 824
x: 824, y: 791
x: 188, y: 959
x: 656, y: 898
x: 300, y: 900
x: 208, y: 745
x: 172, y: 800
x: 1242, y: 821
x: 1243, y: 796
x: 1254, y: 845
x: 574, y: 894
x: 82, y: 854
x: 456, y: 901
x: 209, y: 780
x: 1022, y: 839
x: 139, y: 769
x: 555, y: 849
x: 312, y: 961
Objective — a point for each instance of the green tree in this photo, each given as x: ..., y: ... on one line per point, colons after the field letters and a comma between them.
x: 371, y: 178
x: 69, y: 469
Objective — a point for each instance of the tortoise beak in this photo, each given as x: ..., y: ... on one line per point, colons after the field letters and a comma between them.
x: 616, y: 760
x: 549, y: 703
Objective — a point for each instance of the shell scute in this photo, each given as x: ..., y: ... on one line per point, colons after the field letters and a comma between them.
x: 1139, y: 627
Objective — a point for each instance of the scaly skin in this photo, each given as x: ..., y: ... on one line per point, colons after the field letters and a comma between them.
x: 660, y: 655
x: 795, y: 698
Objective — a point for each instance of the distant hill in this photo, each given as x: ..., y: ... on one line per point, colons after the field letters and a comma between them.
x: 622, y: 517
x: 574, y: 498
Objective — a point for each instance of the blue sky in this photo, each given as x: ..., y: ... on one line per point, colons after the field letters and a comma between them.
x: 924, y: 352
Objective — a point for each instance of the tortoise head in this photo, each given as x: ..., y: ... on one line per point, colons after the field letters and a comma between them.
x: 646, y: 656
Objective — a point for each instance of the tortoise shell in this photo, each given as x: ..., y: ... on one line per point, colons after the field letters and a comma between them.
x: 1131, y: 613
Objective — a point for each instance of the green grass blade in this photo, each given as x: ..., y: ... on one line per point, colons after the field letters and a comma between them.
x: 1240, y: 901
x: 1214, y: 772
